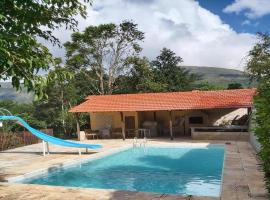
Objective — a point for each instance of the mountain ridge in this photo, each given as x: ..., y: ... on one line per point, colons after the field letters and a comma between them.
x: 221, y: 76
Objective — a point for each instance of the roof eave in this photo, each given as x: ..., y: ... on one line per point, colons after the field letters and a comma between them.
x: 79, y: 110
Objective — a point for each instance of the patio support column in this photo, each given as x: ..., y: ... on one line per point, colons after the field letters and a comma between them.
x: 123, y: 126
x: 249, y: 111
x: 78, y: 125
x: 155, y: 116
x: 171, y: 128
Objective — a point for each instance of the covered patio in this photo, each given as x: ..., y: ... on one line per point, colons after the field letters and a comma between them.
x: 173, y: 114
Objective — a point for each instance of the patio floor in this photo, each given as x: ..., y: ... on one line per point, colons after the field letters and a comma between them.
x: 242, y: 178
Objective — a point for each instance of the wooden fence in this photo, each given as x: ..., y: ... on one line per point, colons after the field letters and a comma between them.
x: 13, y: 140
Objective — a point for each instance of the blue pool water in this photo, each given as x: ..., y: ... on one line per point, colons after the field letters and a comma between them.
x: 192, y: 171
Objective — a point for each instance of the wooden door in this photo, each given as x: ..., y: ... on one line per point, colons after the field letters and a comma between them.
x: 130, y: 122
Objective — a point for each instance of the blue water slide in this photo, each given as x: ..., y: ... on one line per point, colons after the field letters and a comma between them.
x: 48, y: 138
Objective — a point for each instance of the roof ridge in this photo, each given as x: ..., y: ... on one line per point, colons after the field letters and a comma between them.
x: 176, y: 92
x: 239, y: 98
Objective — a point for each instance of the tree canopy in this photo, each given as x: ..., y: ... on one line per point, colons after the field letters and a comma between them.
x: 104, y: 49
x: 21, y: 23
x: 168, y: 71
x: 259, y: 58
x: 164, y: 74
x: 234, y: 86
x: 141, y: 78
x: 258, y: 67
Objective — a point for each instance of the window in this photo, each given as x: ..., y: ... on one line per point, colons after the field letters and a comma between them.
x: 196, y: 120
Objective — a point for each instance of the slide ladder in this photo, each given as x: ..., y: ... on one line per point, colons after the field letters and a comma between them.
x: 48, y: 138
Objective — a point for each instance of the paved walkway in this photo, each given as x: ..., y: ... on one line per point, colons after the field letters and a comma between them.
x: 242, y: 178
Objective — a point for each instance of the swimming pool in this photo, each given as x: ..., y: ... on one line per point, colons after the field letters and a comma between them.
x: 172, y: 170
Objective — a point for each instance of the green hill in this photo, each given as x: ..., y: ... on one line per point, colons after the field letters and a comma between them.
x: 218, y: 76
x: 221, y: 76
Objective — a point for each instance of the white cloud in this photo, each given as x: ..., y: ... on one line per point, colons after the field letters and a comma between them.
x: 194, y: 33
x: 251, y: 8
x: 245, y: 22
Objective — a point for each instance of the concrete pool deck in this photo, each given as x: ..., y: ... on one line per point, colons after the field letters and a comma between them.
x: 242, y: 177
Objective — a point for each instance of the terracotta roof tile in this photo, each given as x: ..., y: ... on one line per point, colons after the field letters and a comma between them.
x: 168, y: 101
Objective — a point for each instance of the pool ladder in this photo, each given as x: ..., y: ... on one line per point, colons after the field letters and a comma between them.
x: 137, y: 143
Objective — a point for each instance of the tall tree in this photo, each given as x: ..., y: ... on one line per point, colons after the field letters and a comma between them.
x: 258, y: 67
x: 61, y: 97
x: 85, y: 83
x: 104, y: 49
x: 21, y: 23
x: 168, y: 71
x: 139, y: 79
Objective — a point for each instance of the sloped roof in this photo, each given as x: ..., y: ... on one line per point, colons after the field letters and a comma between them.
x: 240, y: 98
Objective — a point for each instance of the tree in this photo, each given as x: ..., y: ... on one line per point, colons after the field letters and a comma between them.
x: 206, y: 86
x: 104, y: 49
x: 168, y: 71
x: 139, y: 79
x: 85, y: 83
x: 232, y: 86
x: 22, y: 57
x: 258, y: 67
x: 65, y: 91
x: 54, y: 108
x: 259, y: 58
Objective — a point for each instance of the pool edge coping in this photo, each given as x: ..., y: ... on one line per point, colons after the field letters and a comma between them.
x: 64, y: 164
x: 100, y: 155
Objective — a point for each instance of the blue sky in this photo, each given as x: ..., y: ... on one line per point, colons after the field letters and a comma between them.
x: 215, y: 33
x: 238, y: 21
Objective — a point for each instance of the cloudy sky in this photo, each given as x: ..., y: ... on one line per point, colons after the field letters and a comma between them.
x: 204, y: 33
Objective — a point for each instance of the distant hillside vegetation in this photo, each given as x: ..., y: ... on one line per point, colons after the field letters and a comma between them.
x: 7, y: 92
x: 221, y: 76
